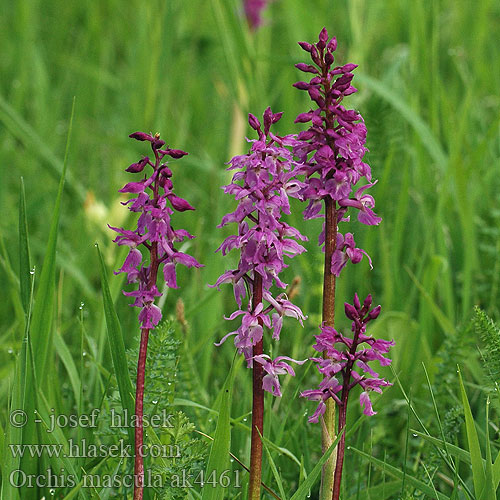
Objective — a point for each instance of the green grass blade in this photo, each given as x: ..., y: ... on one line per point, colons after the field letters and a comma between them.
x: 117, y: 347
x: 398, y: 474
x: 41, y: 322
x: 453, y: 450
x: 496, y: 471
x: 218, y: 460
x: 275, y: 472
x: 303, y: 490
x: 473, y: 440
x: 489, y: 489
x: 28, y: 137
x: 428, y: 139
x: 65, y: 355
x: 381, y: 491
x: 24, y: 251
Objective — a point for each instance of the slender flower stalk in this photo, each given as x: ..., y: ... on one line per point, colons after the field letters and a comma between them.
x: 154, y: 234
x: 262, y: 184
x: 341, y: 364
x: 331, y: 151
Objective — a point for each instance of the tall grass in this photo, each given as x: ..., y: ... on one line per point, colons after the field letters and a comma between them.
x: 429, y: 76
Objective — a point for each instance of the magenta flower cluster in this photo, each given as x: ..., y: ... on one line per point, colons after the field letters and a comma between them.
x: 264, y: 181
x: 156, y: 203
x: 344, y: 355
x: 332, y: 148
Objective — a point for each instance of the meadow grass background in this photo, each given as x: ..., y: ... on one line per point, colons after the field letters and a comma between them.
x: 428, y: 81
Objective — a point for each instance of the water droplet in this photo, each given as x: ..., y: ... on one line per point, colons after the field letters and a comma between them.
x: 232, y: 460
x: 32, y: 271
x: 155, y: 401
x: 348, y: 447
x: 415, y: 435
x: 245, y: 419
x: 52, y: 491
x: 10, y: 351
x: 170, y: 383
x: 96, y: 245
x: 82, y: 304
x: 84, y: 353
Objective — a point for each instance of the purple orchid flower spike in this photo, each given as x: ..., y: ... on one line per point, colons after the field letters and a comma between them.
x: 333, y: 147
x: 262, y: 184
x: 345, y: 367
x: 154, y: 236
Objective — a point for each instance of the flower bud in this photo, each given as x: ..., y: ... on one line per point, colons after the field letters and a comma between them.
x: 253, y: 121
x: 357, y: 303
x: 306, y: 46
x: 350, y: 311
x: 329, y: 59
x: 332, y: 45
x: 139, y: 166
x: 306, y: 68
x: 301, y: 85
x: 373, y: 314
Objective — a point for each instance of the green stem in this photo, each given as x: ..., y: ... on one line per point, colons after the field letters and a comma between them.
x: 328, y: 428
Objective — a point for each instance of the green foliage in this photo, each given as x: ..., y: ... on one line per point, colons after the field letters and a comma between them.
x: 489, y: 333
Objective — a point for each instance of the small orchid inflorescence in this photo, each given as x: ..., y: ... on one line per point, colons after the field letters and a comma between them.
x: 343, y: 356
x: 338, y: 368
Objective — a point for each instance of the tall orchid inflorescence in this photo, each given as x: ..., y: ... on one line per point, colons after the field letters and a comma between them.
x: 332, y: 148
x: 262, y: 184
x: 331, y: 151
x: 155, y: 235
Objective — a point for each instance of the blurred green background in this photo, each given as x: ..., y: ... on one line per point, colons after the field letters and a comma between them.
x: 428, y: 80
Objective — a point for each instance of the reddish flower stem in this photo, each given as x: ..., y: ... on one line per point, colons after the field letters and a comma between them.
x: 342, y: 418
x: 257, y: 405
x: 139, y: 411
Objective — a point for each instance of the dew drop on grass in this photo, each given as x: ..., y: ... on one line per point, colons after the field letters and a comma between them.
x: 52, y: 491
x: 415, y: 435
x: 348, y: 447
x: 155, y: 401
x: 10, y: 351
x: 32, y: 272
x: 84, y: 353
x: 245, y: 419
x: 82, y: 304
